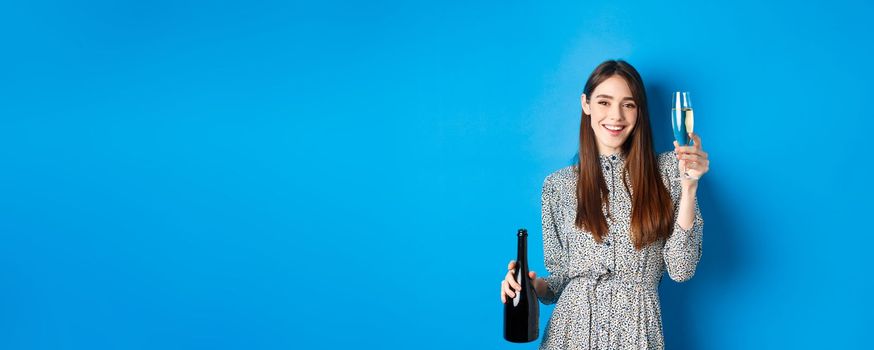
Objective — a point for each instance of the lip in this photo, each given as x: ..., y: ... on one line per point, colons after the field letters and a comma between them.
x: 614, y: 132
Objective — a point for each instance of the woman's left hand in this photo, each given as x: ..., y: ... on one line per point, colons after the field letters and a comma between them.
x: 693, y: 159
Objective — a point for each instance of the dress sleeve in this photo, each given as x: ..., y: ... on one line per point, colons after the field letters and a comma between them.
x: 554, y: 255
x: 682, y: 250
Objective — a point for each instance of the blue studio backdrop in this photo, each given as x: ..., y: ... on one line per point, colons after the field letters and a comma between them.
x: 334, y: 175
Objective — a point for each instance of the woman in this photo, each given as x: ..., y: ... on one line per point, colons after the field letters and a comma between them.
x: 614, y: 222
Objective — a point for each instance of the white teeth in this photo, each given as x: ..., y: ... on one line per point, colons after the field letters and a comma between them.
x: 613, y: 127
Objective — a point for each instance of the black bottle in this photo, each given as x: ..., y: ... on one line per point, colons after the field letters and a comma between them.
x: 522, y: 313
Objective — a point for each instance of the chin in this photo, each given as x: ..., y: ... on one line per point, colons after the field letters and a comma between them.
x: 617, y: 143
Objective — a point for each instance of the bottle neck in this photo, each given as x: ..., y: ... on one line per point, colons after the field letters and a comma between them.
x: 522, y: 253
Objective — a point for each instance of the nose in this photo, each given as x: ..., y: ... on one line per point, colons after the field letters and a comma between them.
x: 615, y: 112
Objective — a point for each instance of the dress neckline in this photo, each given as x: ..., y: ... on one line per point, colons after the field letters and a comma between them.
x: 615, y: 157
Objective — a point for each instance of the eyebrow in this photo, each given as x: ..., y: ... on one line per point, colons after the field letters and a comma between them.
x: 611, y: 97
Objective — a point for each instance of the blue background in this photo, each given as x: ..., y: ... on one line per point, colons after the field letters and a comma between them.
x: 271, y: 175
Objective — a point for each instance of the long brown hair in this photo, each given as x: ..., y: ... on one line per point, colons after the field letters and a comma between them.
x: 652, y: 211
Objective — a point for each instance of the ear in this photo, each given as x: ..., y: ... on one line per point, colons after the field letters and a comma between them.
x: 586, y: 108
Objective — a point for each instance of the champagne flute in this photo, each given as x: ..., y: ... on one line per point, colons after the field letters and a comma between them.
x: 683, y: 123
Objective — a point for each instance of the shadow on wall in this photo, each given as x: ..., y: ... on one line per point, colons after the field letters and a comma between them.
x: 720, y: 258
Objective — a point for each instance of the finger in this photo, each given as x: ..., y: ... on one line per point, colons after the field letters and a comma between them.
x: 697, y: 139
x: 695, y: 158
x: 509, y: 291
x: 676, y: 144
x: 698, y: 160
x: 691, y: 165
x: 702, y: 166
x: 692, y: 150
x: 686, y: 149
x: 511, y: 265
x: 503, y: 295
x: 691, y: 157
x: 532, y: 275
x: 512, y: 282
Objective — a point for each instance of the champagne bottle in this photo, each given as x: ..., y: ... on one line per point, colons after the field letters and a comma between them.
x: 522, y: 312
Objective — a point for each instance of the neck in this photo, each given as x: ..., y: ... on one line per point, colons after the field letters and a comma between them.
x: 606, y: 151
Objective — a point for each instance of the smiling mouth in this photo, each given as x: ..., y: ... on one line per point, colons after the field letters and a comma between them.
x: 613, y: 129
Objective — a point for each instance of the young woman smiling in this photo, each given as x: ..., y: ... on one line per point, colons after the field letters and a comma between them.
x: 615, y: 222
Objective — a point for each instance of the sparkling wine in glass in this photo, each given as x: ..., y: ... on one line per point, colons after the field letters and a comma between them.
x: 683, y: 123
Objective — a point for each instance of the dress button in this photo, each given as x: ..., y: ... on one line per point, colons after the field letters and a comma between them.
x: 607, y: 166
x: 613, y: 157
x: 608, y: 244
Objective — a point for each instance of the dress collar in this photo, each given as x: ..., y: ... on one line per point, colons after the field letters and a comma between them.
x: 612, y: 158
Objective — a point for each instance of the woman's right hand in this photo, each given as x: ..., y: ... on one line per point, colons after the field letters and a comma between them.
x: 509, y: 287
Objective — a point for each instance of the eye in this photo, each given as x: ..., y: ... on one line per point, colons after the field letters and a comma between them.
x: 629, y: 105
x: 603, y: 103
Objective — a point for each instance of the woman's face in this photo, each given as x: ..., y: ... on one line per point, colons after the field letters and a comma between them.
x: 613, y: 113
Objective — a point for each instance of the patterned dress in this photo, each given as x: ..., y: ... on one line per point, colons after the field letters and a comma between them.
x: 606, y: 294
